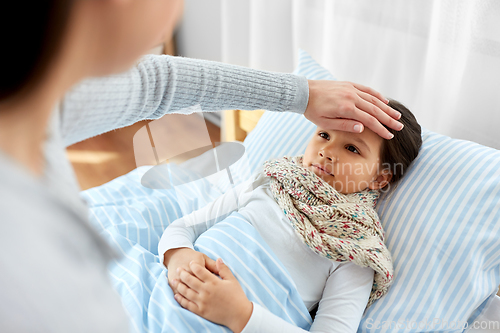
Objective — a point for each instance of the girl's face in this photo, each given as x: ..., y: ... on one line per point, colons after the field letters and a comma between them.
x: 349, y: 162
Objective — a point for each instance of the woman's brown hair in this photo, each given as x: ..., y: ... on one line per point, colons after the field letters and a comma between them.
x: 31, y: 33
x: 398, y: 153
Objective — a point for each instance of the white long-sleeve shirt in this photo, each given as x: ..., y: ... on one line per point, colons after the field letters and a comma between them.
x: 342, y: 289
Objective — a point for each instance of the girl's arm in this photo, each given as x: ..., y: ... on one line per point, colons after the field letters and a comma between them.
x: 175, y: 247
x: 164, y: 84
x: 183, y: 232
x: 340, y: 309
x: 344, y: 299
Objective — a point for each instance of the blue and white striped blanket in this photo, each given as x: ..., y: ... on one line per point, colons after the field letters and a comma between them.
x: 132, y: 218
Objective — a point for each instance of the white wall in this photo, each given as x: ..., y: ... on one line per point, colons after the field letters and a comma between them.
x: 199, y: 36
x: 440, y: 58
x: 199, y: 32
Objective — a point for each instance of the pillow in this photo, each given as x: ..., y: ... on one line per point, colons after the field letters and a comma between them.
x: 132, y: 219
x: 441, y: 223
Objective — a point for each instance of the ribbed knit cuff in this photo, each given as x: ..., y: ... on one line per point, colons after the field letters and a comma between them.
x: 302, y: 97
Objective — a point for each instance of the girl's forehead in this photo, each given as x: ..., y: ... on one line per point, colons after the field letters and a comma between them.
x: 367, y: 135
x: 366, y: 138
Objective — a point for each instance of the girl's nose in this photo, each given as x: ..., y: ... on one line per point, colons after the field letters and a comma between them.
x: 324, y: 155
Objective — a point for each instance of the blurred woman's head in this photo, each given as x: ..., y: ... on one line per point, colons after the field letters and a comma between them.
x: 31, y: 35
x: 79, y: 37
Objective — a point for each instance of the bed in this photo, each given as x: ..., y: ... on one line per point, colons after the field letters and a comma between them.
x: 441, y: 222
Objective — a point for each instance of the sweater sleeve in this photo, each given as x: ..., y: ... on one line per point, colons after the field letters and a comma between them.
x: 183, y: 232
x: 158, y: 85
x: 340, y: 309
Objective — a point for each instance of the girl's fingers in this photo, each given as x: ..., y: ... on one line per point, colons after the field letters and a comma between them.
x: 225, y: 272
x: 189, y: 280
x: 186, y: 292
x: 185, y: 303
x: 210, y: 265
x: 201, y: 272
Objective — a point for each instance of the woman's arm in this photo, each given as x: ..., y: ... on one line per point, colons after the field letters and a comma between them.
x: 164, y: 84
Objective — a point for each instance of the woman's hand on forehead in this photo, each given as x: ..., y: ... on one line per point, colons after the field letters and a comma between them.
x: 349, y: 107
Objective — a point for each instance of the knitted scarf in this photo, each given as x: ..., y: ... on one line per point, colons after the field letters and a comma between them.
x: 340, y: 227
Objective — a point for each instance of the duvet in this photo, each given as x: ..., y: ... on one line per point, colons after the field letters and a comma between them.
x: 132, y: 218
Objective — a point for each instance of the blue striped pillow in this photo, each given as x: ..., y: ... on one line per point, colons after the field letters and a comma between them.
x: 442, y: 223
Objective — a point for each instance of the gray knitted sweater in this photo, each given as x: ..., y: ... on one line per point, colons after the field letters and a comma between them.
x: 54, y: 265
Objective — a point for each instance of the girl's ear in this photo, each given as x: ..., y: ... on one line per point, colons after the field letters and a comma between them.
x: 382, y: 180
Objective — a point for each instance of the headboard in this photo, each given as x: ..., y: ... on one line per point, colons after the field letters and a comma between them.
x: 238, y: 123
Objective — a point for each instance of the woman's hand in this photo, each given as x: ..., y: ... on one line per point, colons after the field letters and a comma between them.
x: 342, y: 106
x: 221, y: 301
x: 181, y: 257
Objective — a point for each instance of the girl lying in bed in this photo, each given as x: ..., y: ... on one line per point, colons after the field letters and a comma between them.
x: 316, y: 212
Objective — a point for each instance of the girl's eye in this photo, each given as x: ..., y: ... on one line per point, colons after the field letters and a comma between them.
x: 324, y: 135
x: 353, y: 149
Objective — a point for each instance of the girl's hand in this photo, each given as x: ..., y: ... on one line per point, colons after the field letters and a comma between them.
x: 337, y: 105
x: 221, y: 301
x: 181, y: 257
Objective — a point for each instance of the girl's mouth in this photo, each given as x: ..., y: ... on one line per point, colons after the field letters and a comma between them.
x: 321, y: 169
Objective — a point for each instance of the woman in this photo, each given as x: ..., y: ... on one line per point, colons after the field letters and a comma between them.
x: 54, y: 276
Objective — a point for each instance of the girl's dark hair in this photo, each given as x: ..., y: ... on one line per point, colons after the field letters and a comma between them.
x: 31, y: 33
x: 400, y: 151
